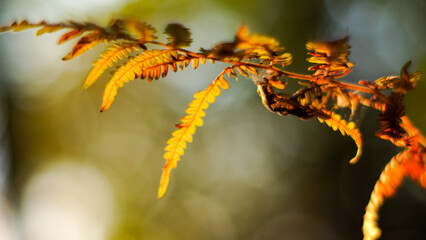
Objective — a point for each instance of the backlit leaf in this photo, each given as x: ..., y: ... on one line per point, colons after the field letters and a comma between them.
x: 141, y: 31
x: 331, y: 58
x: 337, y: 123
x: 49, y: 29
x: 85, y: 43
x: 410, y: 163
x: 107, y: 59
x: 245, y: 40
x: 390, y: 179
x: 146, y: 61
x: 18, y: 26
x: 179, y: 36
x: 176, y: 145
x: 70, y: 35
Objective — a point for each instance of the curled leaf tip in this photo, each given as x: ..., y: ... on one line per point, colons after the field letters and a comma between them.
x: 357, y: 156
x: 337, y: 123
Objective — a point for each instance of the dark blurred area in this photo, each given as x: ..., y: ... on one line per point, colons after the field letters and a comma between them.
x: 70, y: 172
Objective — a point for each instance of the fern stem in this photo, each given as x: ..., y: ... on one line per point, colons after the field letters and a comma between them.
x: 283, y: 72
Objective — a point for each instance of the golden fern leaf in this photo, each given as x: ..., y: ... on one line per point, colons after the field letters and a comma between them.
x: 390, y: 179
x: 241, y: 70
x: 70, y: 35
x: 176, y: 144
x: 80, y: 28
x: 107, y: 59
x: 329, y: 57
x: 161, y: 69
x: 337, y: 123
x: 249, y: 69
x: 265, y: 43
x: 49, y: 29
x: 179, y: 36
x: 85, y: 43
x: 24, y: 25
x: 20, y: 26
x: 158, y: 70
x: 259, y: 46
x: 283, y: 59
x: 141, y: 31
x: 195, y: 63
x: 131, y: 70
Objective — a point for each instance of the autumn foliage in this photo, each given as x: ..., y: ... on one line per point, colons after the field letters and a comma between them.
x: 320, y: 95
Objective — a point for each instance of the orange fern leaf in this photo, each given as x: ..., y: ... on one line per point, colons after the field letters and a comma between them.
x: 179, y: 36
x: 176, y: 145
x: 263, y: 44
x: 20, y: 26
x: 70, y: 35
x: 49, y: 29
x: 329, y: 57
x: 141, y: 31
x: 85, y: 43
x: 337, y: 123
x: 131, y: 70
x: 249, y: 69
x: 410, y: 162
x: 390, y: 179
x: 24, y: 25
x: 160, y: 70
x: 107, y: 59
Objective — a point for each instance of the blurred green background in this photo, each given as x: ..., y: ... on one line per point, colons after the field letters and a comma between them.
x: 70, y: 172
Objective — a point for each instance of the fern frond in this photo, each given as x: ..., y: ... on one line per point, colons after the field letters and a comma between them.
x: 410, y: 162
x: 176, y: 145
x: 337, y: 123
x: 132, y: 69
x: 107, y: 59
x: 390, y: 179
x: 157, y: 71
x: 24, y: 25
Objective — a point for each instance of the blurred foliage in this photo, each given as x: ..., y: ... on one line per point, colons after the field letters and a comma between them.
x: 268, y: 177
